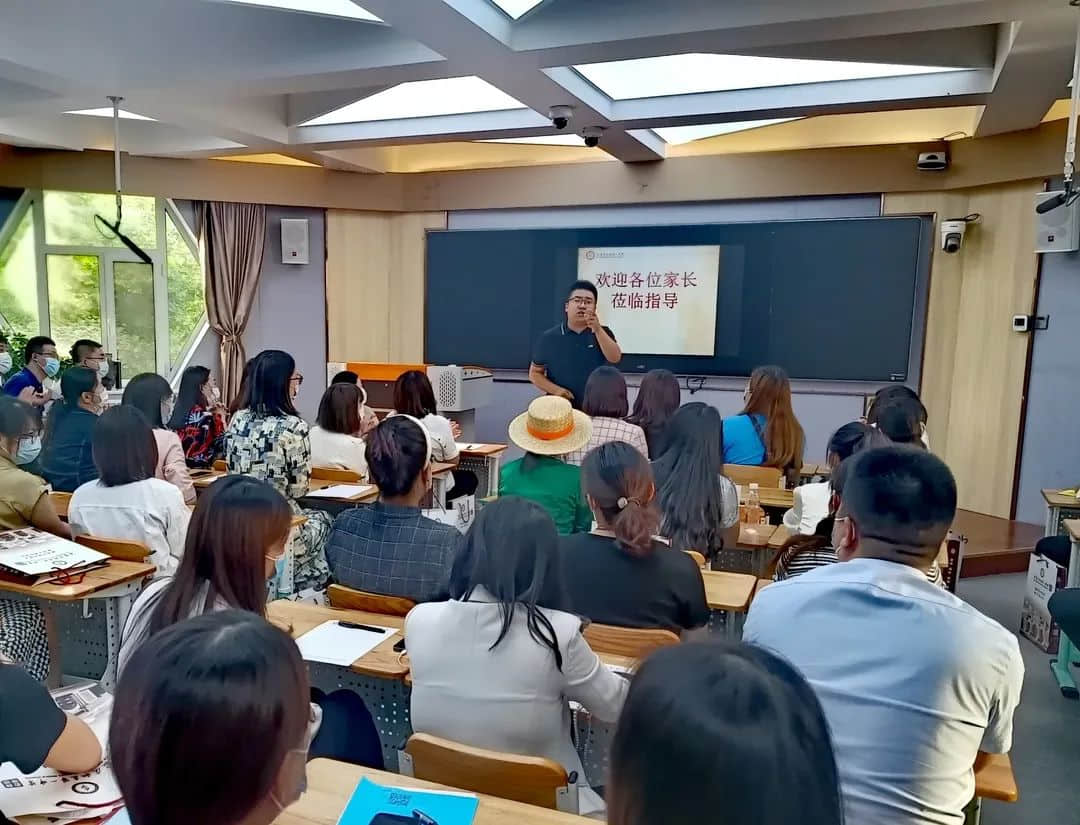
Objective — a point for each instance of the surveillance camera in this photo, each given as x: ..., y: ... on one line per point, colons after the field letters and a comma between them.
x: 561, y: 116
x: 592, y: 135
x: 952, y: 234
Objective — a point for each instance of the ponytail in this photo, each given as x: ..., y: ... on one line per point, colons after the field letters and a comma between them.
x: 619, y: 481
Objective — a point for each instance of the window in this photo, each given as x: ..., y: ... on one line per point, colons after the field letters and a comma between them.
x: 18, y: 277
x: 146, y: 315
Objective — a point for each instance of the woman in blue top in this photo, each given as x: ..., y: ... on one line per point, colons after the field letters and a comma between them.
x: 766, y: 432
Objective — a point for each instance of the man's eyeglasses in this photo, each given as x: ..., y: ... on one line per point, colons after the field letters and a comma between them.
x: 583, y: 302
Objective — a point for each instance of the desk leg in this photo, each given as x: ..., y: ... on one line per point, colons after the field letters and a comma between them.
x: 493, y: 475
x: 1060, y: 665
x: 117, y: 610
x: 438, y: 491
x: 973, y: 812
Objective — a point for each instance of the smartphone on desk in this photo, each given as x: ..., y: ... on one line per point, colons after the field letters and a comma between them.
x: 399, y: 646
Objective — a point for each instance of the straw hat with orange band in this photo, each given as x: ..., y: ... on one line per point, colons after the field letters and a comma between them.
x: 551, y: 427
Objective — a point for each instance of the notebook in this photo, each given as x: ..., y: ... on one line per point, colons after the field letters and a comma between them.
x: 346, y: 491
x: 29, y: 553
x: 375, y: 804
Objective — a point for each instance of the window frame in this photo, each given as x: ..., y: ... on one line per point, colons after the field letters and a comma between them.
x: 34, y: 200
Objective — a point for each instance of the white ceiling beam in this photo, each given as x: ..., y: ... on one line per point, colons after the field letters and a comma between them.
x: 470, y: 126
x: 300, y: 108
x: 250, y: 121
x: 474, y: 35
x: 1035, y: 61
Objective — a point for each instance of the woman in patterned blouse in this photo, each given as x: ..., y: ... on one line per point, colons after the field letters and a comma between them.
x: 267, y: 439
x: 197, y: 418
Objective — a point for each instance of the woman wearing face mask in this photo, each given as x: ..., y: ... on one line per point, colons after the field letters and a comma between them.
x: 67, y: 458
x: 24, y: 502
x: 151, y: 395
x: 235, y: 549
x: 211, y: 724
x: 268, y: 439
x: 198, y: 418
x: 5, y: 358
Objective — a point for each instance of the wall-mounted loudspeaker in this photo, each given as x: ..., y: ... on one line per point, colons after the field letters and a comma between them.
x: 1059, y: 229
x: 294, y: 241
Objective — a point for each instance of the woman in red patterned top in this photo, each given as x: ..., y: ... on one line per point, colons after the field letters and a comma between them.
x: 197, y: 418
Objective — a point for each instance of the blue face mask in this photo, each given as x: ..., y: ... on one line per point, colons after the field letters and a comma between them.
x: 52, y: 367
x: 28, y: 450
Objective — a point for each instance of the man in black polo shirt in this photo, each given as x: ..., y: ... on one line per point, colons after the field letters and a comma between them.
x: 565, y: 355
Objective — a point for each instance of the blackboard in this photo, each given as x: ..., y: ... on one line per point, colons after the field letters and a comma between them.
x: 825, y: 299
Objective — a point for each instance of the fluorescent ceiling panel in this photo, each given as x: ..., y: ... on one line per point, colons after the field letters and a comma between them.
x: 545, y: 140
x: 423, y: 98
x: 686, y: 134
x: 680, y: 74
x: 108, y: 112
x: 326, y: 8
x: 516, y: 8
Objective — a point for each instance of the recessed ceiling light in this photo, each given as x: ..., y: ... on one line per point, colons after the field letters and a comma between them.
x: 326, y: 8
x: 544, y: 140
x: 423, y: 98
x: 108, y: 112
x: 686, y: 134
x: 680, y: 74
x: 516, y: 8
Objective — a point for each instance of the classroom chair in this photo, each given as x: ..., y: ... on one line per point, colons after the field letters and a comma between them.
x: 122, y: 549
x: 749, y: 474
x: 60, y: 503
x: 345, y: 597
x: 698, y: 558
x: 220, y: 466
x: 334, y: 474
x: 529, y: 779
x: 634, y: 642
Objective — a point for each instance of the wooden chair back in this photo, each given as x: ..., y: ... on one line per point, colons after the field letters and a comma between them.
x: 698, y: 558
x: 122, y: 549
x: 635, y: 642
x: 347, y: 598
x: 747, y: 474
x: 334, y: 474
x: 60, y: 503
x: 221, y: 466
x: 529, y: 779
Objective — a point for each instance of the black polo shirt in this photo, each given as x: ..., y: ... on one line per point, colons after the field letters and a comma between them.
x: 569, y: 357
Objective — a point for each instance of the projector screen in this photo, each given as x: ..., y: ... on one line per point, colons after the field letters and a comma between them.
x: 660, y: 300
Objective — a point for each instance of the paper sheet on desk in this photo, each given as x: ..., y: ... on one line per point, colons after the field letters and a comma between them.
x: 337, y: 645
x: 341, y: 491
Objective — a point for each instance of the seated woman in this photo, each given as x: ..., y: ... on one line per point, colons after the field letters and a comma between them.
x: 811, y: 501
x: 336, y: 441
x: 235, y: 549
x: 606, y: 405
x: 621, y: 573
x: 766, y: 432
x: 151, y: 395
x: 413, y: 395
x: 913, y: 407
x: 24, y: 502
x: 268, y: 440
x: 368, y: 419
x: 391, y: 547
x: 197, y: 418
x: 706, y: 728
x: 699, y: 505
x: 67, y: 459
x: 211, y: 723
x: 496, y: 666
x: 657, y: 399
x: 549, y: 429
x: 35, y: 732
x: 127, y: 501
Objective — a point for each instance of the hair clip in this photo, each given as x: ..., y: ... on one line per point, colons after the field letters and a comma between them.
x: 622, y: 502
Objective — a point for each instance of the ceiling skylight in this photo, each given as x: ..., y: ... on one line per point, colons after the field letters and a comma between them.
x: 516, y: 8
x: 424, y: 98
x: 680, y: 74
x: 326, y: 8
x: 686, y: 134
x: 108, y: 112
x: 543, y: 140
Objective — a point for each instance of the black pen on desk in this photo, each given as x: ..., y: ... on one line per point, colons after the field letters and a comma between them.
x: 355, y: 626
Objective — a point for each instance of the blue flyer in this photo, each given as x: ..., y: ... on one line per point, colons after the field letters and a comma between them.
x: 374, y: 804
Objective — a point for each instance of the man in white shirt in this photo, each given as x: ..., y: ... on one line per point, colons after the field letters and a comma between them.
x: 914, y: 682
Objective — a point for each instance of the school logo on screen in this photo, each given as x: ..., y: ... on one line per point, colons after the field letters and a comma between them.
x: 590, y: 255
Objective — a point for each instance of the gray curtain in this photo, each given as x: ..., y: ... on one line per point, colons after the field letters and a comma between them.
x: 231, y: 238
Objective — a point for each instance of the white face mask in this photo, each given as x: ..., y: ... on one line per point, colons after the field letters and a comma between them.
x: 167, y: 407
x: 28, y: 450
x: 103, y: 368
x: 5, y: 362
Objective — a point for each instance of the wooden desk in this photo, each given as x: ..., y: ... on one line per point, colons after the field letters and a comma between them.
x: 779, y: 537
x: 383, y: 662
x: 331, y: 785
x: 752, y: 536
x: 365, y: 493
x: 112, y: 575
x: 483, y: 459
x: 1058, y: 508
x: 995, y: 779
x: 203, y: 482
x: 729, y: 592
x: 775, y: 498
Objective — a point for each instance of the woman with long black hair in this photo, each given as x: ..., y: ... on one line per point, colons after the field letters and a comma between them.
x: 496, y: 665
x: 197, y: 418
x: 656, y: 402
